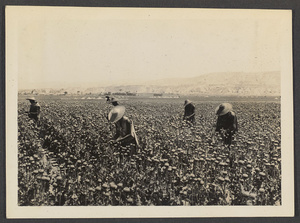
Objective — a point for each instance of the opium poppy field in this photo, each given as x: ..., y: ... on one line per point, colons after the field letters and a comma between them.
x: 68, y: 158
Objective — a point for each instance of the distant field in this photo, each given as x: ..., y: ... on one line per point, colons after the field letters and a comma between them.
x: 143, y: 97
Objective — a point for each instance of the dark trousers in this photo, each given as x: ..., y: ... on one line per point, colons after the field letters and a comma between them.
x: 34, y: 117
x: 227, y: 136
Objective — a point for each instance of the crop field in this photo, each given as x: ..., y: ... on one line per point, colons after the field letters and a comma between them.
x: 68, y: 158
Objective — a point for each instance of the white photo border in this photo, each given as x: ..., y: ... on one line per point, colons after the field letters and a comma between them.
x: 287, y: 133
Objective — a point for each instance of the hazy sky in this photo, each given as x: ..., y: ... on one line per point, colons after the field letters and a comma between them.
x: 54, y: 45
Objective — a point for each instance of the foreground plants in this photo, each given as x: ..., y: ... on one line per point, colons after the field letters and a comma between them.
x: 68, y: 160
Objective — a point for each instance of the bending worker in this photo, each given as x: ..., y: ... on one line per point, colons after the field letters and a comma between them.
x: 112, y: 101
x: 226, y: 123
x: 189, y: 112
x: 35, y: 109
x: 125, y: 132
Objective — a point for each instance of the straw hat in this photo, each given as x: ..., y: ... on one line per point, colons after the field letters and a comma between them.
x: 223, y: 109
x: 186, y: 102
x: 116, y: 113
x: 31, y: 99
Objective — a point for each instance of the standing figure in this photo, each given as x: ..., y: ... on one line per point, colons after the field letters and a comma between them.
x: 189, y: 112
x: 35, y: 109
x: 125, y: 133
x: 226, y: 122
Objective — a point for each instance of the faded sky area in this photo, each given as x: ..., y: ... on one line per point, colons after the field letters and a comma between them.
x: 68, y: 46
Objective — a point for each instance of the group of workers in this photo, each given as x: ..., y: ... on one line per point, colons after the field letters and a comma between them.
x: 226, y: 124
x: 125, y: 134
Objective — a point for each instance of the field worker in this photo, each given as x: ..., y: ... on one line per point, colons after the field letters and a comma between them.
x: 226, y: 123
x: 35, y: 109
x: 189, y: 111
x: 112, y: 101
x: 125, y: 133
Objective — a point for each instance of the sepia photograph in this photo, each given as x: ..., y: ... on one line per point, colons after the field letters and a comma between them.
x: 148, y: 112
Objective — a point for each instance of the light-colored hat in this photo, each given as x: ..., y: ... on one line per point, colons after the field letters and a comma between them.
x: 186, y: 102
x: 116, y: 113
x: 223, y: 109
x: 31, y: 99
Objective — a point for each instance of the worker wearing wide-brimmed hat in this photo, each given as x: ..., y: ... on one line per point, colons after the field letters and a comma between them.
x: 35, y: 109
x: 112, y: 101
x: 189, y: 111
x: 125, y: 133
x: 226, y: 123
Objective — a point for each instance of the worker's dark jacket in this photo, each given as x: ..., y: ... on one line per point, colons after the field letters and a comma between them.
x: 189, y: 113
x: 227, y: 126
x: 123, y: 128
x: 34, y: 111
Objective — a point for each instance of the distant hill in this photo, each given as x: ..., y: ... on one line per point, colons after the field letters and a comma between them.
x: 245, y: 84
x: 231, y: 84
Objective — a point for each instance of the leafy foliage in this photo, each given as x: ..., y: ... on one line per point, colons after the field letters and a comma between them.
x: 68, y: 159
